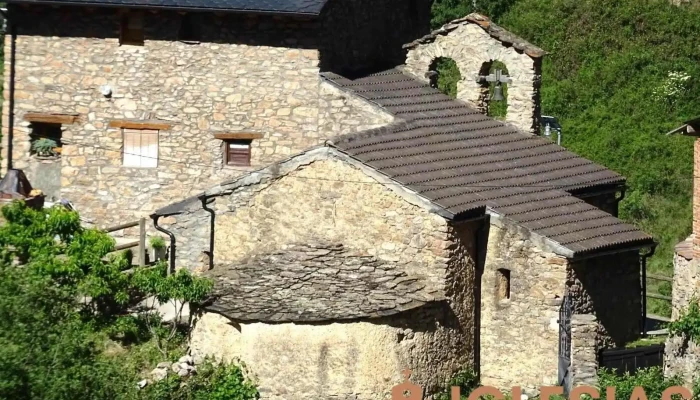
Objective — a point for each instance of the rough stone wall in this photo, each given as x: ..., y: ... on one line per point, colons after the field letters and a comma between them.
x: 685, y: 278
x: 461, y: 281
x: 333, y: 201
x: 681, y: 358
x: 471, y: 47
x: 584, y: 350
x: 368, y: 35
x: 519, y: 336
x: 609, y: 288
x: 358, y: 360
x: 248, y: 74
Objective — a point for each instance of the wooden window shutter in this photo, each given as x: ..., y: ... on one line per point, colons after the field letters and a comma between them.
x: 140, y: 148
x: 237, y: 152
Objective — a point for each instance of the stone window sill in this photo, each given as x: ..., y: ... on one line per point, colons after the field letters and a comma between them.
x: 46, y: 158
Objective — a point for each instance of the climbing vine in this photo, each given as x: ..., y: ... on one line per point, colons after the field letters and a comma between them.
x: 688, y: 324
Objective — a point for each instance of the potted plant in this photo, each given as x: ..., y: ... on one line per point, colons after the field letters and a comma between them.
x: 158, y: 245
x: 45, y: 148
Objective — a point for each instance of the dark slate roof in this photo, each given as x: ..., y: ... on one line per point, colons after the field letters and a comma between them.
x: 314, y: 282
x: 492, y: 29
x: 464, y: 161
x: 300, y: 7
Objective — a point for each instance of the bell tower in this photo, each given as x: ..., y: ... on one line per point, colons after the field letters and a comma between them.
x: 480, y: 50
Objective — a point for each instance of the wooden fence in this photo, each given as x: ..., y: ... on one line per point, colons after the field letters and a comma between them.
x: 630, y: 360
x: 141, y: 243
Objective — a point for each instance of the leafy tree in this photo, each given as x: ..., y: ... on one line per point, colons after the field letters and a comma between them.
x: 66, y: 329
x: 444, y: 11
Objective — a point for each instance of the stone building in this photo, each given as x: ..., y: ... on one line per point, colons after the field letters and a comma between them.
x: 682, y: 355
x: 144, y: 101
x: 506, y: 238
x: 366, y: 223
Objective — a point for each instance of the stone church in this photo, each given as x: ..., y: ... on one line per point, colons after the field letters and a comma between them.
x: 356, y: 220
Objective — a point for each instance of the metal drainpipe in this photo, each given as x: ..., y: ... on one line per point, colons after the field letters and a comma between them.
x: 623, y: 192
x: 211, y: 230
x: 11, y: 112
x: 172, y: 242
x: 651, y: 252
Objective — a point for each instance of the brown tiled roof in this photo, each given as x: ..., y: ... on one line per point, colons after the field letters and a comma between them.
x: 464, y: 161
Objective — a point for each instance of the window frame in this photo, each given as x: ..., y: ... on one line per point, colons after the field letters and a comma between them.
x: 41, y: 130
x: 141, y: 133
x: 245, y: 144
x: 127, y: 35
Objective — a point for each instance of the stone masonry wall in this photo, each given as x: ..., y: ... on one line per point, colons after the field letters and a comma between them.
x: 681, y: 358
x: 584, y: 350
x: 685, y: 278
x: 609, y: 288
x: 356, y: 360
x: 367, y: 218
x: 332, y: 201
x: 519, y: 336
x: 248, y: 74
x: 471, y: 47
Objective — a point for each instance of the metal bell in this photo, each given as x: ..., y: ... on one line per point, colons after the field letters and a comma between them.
x: 498, y: 93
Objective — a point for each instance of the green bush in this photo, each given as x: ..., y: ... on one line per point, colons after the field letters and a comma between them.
x: 44, y: 147
x: 651, y: 379
x: 465, y: 379
x: 157, y: 242
x: 688, y: 324
x: 66, y: 328
x: 211, y: 382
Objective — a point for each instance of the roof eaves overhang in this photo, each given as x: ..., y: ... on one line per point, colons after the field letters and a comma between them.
x: 164, y: 7
x: 604, y: 251
x: 689, y: 128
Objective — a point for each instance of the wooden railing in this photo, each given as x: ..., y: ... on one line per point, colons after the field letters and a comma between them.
x: 659, y: 278
x: 141, y: 243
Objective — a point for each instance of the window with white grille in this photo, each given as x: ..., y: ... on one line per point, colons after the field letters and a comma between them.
x: 140, y: 148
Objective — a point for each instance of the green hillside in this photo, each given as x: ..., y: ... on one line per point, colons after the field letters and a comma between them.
x: 620, y: 74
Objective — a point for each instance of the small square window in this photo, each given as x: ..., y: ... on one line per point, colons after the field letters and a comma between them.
x: 237, y: 152
x: 140, y: 148
x: 189, y: 29
x: 46, y: 139
x: 132, y: 29
x: 503, y: 284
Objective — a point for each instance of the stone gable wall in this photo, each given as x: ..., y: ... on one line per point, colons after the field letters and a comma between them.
x: 332, y: 201
x: 248, y: 74
x: 361, y: 358
x: 470, y: 47
x: 519, y: 336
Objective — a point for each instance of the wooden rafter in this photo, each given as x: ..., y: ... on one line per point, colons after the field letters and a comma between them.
x: 238, y: 136
x: 139, y: 124
x: 51, y: 118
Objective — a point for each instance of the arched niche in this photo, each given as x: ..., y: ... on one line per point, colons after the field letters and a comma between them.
x: 445, y: 75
